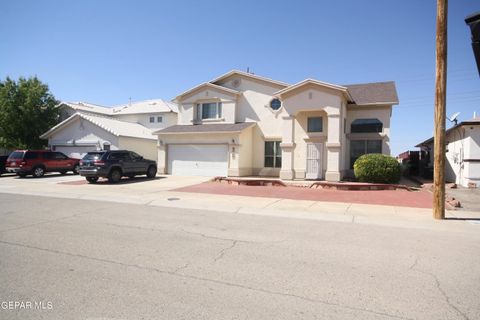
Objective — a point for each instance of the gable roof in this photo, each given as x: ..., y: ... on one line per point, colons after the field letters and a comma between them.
x: 373, y: 93
x: 138, y: 107
x: 474, y: 121
x: 210, y: 85
x: 115, y: 127
x: 86, y: 107
x: 314, y: 82
x: 249, y: 75
x: 145, y: 106
x: 206, y: 128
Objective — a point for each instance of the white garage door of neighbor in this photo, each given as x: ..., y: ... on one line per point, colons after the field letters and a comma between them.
x: 75, y: 151
x: 198, y: 160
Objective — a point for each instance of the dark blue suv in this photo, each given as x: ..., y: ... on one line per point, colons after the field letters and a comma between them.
x: 114, y: 165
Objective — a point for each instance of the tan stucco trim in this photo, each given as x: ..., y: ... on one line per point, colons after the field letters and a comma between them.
x: 316, y: 83
x: 212, y: 86
x: 250, y: 76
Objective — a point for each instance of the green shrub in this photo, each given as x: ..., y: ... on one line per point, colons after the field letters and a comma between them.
x: 377, y: 168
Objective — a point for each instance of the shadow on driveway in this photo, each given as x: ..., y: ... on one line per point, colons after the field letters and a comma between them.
x: 46, y: 176
x: 104, y: 181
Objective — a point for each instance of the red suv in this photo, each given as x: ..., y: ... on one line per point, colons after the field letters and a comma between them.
x: 37, y: 162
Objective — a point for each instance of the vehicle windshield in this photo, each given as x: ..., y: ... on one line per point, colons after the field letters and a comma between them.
x: 93, y: 156
x: 16, y: 155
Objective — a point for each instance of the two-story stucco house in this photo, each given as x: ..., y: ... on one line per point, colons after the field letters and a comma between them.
x: 87, y: 127
x: 241, y: 124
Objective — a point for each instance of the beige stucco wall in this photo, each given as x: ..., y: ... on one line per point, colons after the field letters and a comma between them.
x: 252, y: 105
x: 144, y: 147
x: 300, y: 103
x: 169, y: 119
x: 187, y: 105
x: 382, y: 113
x: 302, y: 137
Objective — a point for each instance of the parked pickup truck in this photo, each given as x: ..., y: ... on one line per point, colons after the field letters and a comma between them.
x: 37, y: 162
x: 114, y: 165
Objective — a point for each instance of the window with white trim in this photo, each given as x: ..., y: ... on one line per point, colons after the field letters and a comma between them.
x: 273, y: 154
x: 159, y: 119
x: 152, y: 119
x: 209, y: 110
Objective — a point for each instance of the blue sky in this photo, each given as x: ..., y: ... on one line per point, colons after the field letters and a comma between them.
x: 108, y: 51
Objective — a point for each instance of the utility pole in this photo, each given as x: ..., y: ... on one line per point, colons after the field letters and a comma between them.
x: 440, y: 110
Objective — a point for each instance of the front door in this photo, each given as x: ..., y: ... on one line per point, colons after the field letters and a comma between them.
x: 314, y: 161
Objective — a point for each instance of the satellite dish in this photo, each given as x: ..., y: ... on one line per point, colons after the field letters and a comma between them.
x: 453, y: 117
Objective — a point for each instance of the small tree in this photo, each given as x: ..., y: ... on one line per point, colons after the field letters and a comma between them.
x: 377, y: 168
x: 27, y: 109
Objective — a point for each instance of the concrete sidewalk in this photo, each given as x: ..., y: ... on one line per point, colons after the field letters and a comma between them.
x: 157, y: 193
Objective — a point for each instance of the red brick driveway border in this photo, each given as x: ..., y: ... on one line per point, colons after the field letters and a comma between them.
x: 401, y: 198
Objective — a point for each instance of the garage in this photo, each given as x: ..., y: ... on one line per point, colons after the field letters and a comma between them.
x: 75, y: 151
x: 198, y: 160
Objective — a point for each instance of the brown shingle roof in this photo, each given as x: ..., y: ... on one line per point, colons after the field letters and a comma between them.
x: 377, y: 92
x: 206, y: 128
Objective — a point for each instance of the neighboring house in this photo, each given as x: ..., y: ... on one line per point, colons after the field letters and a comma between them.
x: 241, y: 124
x: 462, y: 153
x: 87, y: 127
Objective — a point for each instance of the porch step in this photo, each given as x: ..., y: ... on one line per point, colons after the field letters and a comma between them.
x: 358, y: 186
x: 250, y: 182
x: 310, y: 184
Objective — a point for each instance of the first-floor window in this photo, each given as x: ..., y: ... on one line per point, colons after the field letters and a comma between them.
x: 209, y: 110
x: 273, y: 154
x: 361, y: 147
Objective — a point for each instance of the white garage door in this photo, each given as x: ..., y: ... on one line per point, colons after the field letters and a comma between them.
x: 76, y: 152
x: 198, y: 160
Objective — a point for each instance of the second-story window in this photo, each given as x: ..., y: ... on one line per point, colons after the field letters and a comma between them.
x: 152, y: 119
x: 315, y: 124
x: 209, y: 110
x: 159, y: 119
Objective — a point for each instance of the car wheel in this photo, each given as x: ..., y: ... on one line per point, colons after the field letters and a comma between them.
x: 38, y: 172
x: 114, y: 176
x: 92, y: 179
x: 75, y: 169
x: 151, y: 172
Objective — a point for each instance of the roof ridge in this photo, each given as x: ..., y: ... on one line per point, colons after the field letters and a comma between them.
x: 365, y: 83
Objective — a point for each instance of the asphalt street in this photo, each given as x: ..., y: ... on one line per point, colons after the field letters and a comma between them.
x: 82, y: 259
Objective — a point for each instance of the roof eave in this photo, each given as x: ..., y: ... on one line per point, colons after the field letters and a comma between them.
x: 214, y: 86
x: 57, y: 127
x: 375, y: 103
x: 314, y: 82
x: 246, y: 74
